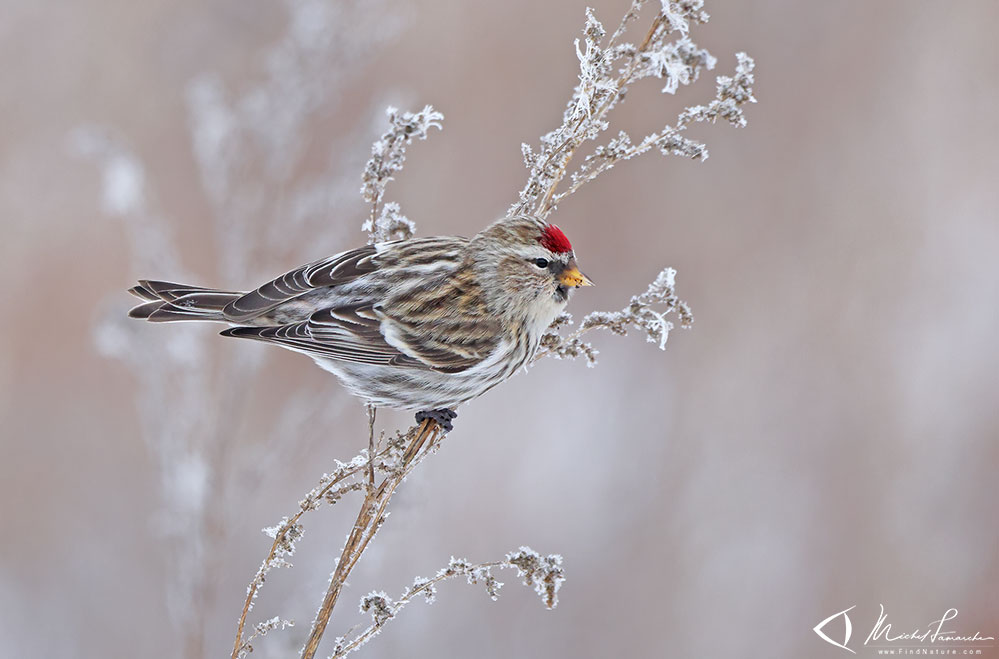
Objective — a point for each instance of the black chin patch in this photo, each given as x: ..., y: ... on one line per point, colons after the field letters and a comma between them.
x: 561, y: 292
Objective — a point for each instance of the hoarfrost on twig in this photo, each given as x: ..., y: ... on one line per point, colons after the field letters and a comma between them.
x: 606, y: 71
x: 646, y: 311
x: 543, y: 573
x: 388, y: 155
x: 390, y: 225
x: 379, y: 605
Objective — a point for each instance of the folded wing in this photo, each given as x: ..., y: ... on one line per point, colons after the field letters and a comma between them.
x: 332, y: 271
x: 434, y: 321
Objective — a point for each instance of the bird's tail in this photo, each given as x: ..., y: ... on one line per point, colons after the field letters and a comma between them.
x: 165, y: 302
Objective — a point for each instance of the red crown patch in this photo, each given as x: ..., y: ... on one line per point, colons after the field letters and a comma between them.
x: 553, y: 239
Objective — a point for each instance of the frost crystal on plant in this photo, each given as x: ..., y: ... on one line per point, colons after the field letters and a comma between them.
x: 425, y: 586
x: 379, y: 605
x: 261, y: 628
x: 545, y: 573
x: 606, y: 70
x: 390, y: 225
x: 388, y: 154
x: 286, y: 534
x: 647, y: 311
x: 732, y: 93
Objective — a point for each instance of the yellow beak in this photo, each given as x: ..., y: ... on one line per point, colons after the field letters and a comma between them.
x: 571, y: 276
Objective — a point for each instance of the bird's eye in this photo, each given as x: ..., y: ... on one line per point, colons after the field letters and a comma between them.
x: 541, y: 263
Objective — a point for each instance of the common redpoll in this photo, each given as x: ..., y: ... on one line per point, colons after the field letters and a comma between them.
x: 422, y: 324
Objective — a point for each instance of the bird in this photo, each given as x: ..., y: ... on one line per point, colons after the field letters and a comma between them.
x: 423, y: 324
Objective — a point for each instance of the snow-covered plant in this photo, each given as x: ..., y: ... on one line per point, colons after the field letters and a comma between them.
x: 646, y: 311
x: 543, y: 573
x: 388, y: 154
x: 607, y: 69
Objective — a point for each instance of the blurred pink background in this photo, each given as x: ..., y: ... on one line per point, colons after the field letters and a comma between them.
x: 826, y: 435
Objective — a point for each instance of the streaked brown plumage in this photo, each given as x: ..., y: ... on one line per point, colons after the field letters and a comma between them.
x: 422, y: 324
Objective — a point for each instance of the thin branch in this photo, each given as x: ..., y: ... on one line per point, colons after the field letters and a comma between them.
x: 647, y: 311
x: 425, y: 588
x: 369, y: 520
x: 544, y: 573
x: 371, y: 445
x: 607, y: 68
x: 573, y: 142
x: 388, y: 154
x: 285, y: 535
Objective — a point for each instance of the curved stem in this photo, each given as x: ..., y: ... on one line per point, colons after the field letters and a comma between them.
x: 371, y: 444
x: 369, y: 520
x: 251, y: 591
x: 573, y: 141
x: 368, y: 633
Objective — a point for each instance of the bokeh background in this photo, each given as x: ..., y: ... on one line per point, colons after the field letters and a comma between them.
x: 826, y: 435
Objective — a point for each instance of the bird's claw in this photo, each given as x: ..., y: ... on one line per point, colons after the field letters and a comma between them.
x: 441, y: 417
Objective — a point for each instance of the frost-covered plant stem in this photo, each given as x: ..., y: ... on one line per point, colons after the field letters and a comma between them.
x: 543, y: 573
x: 563, y: 153
x: 396, y: 460
x: 369, y: 520
x: 606, y: 70
x: 426, y: 588
x: 388, y: 155
x: 647, y: 312
x: 371, y: 445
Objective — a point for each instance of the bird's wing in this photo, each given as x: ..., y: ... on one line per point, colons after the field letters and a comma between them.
x: 446, y: 326
x: 331, y: 271
x: 346, y: 334
x: 443, y: 326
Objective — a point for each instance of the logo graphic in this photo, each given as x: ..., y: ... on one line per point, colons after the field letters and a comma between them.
x: 846, y: 623
x: 919, y: 639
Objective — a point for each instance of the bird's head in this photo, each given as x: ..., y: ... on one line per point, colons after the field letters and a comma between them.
x: 524, y: 261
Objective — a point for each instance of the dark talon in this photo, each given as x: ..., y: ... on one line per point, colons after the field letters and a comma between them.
x: 441, y: 417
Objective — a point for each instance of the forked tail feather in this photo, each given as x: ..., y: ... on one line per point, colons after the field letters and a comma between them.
x: 166, y: 302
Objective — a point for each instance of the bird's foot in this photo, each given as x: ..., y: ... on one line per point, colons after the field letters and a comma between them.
x: 441, y: 417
